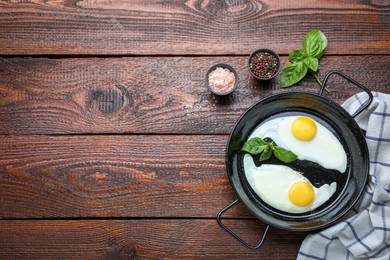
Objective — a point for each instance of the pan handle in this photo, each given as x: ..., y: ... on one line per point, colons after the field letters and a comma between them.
x: 234, y: 235
x: 357, y: 84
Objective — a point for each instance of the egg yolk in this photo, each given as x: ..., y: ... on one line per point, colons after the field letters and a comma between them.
x: 301, y: 194
x: 304, y: 128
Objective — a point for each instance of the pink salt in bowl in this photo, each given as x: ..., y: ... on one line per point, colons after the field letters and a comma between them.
x: 221, y: 79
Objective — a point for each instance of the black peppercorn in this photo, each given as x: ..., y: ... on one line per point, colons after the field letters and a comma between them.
x: 264, y: 64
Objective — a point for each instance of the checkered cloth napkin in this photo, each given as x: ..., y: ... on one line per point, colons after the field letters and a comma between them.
x: 364, y: 233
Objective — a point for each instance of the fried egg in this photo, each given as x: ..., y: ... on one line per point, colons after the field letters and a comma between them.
x: 307, y: 138
x: 285, y: 189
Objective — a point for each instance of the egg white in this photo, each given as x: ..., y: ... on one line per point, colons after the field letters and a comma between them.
x: 324, y: 149
x: 272, y: 183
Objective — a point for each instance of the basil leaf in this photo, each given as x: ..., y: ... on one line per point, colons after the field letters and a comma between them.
x: 315, y: 43
x: 266, y: 153
x: 292, y: 74
x: 254, y: 146
x: 311, y: 63
x: 257, y: 145
x: 296, y: 56
x: 284, y: 155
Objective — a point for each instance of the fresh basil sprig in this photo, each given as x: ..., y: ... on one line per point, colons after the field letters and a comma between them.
x: 305, y: 60
x: 257, y: 145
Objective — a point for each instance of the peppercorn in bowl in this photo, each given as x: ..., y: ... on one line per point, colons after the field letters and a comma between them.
x: 264, y: 64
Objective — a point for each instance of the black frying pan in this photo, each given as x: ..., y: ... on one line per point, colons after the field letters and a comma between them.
x: 350, y: 184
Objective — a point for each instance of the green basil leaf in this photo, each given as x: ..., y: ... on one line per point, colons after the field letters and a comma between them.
x: 254, y: 146
x: 292, y: 74
x: 296, y: 56
x: 315, y: 43
x: 311, y: 63
x: 266, y: 153
x: 284, y: 155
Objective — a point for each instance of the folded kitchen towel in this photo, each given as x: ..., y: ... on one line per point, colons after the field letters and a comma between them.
x: 364, y: 233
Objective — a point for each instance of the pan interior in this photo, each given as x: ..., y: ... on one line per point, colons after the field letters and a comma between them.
x: 315, y: 173
x: 349, y: 184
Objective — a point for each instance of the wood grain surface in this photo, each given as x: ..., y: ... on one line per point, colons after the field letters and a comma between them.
x: 151, y: 95
x: 142, y: 239
x: 111, y: 146
x: 90, y: 27
x: 114, y: 176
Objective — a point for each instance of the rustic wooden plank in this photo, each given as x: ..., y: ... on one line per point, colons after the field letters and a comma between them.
x: 141, y: 239
x: 189, y: 27
x: 114, y: 176
x: 147, y: 94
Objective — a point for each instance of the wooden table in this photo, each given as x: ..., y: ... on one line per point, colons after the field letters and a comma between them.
x: 112, y: 147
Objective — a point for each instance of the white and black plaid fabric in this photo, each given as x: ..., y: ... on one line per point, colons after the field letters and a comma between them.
x: 365, y: 231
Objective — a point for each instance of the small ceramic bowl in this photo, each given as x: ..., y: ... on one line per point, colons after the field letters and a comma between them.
x: 264, y: 64
x: 221, y: 79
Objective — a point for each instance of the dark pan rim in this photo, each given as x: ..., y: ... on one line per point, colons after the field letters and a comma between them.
x: 313, y: 222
